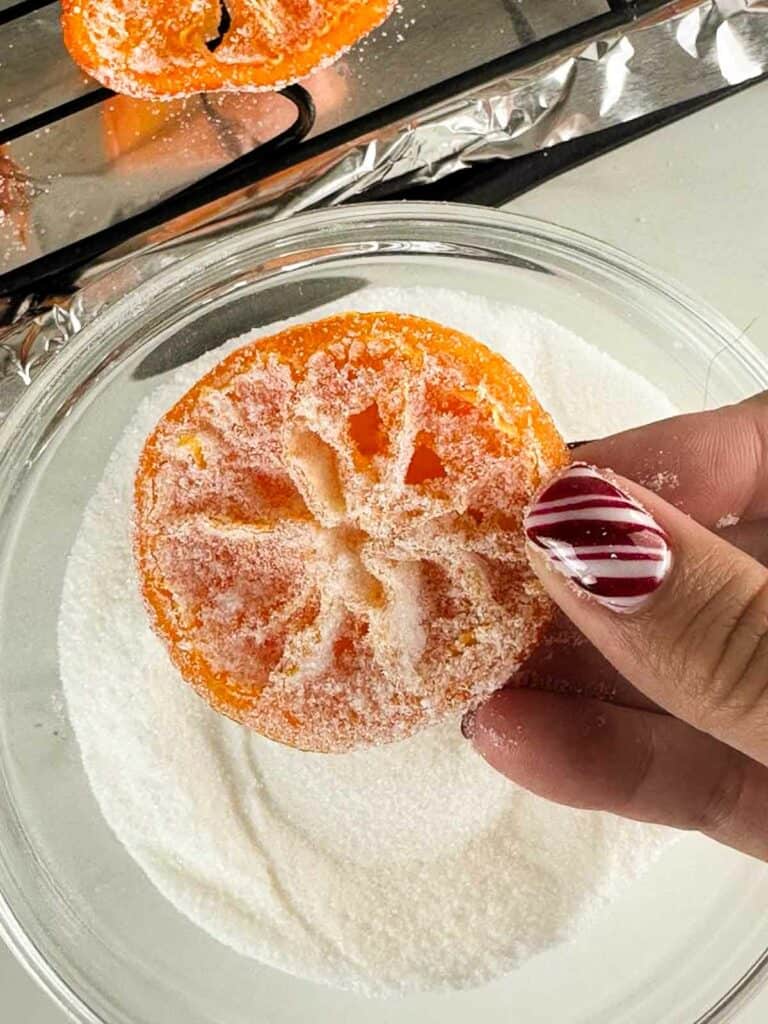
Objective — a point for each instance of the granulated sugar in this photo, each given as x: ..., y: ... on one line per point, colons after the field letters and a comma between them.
x: 412, y: 866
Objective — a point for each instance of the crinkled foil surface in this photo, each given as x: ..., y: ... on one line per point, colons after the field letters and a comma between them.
x: 679, y: 51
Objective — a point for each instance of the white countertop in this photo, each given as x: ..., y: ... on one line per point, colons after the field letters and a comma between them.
x: 691, y: 200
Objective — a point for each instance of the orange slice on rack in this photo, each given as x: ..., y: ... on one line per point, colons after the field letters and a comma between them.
x: 328, y: 529
x: 172, y: 48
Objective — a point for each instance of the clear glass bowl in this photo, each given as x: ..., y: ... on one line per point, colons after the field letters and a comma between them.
x: 688, y: 944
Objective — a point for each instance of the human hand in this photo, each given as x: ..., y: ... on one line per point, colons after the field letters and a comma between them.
x: 661, y: 713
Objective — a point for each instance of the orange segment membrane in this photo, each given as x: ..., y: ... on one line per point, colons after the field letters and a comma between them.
x: 328, y: 529
x: 170, y: 48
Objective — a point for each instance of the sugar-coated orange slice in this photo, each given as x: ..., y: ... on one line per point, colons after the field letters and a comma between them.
x: 171, y: 48
x: 328, y: 529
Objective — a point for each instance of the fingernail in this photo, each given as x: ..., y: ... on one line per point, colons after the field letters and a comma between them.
x: 468, y: 724
x: 600, y: 538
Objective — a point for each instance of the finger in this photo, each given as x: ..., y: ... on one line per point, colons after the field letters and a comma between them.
x: 712, y: 465
x: 650, y: 767
x: 749, y: 537
x: 566, y: 662
x: 678, y: 612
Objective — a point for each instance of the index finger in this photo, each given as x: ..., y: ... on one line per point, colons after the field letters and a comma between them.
x: 676, y: 610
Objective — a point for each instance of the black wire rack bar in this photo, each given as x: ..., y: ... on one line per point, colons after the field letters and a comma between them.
x: 22, y: 8
x: 54, y: 114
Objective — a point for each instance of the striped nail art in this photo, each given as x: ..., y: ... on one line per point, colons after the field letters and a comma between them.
x: 600, y: 538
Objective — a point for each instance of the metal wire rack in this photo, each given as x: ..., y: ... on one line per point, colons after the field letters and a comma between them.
x: 301, y: 141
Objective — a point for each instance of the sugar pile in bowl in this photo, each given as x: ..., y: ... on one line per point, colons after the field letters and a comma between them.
x: 404, y: 868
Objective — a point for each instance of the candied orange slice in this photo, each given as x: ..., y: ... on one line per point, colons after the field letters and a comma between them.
x: 328, y: 529
x: 171, y: 48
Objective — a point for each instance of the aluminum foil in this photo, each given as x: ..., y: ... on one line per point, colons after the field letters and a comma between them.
x: 677, y: 52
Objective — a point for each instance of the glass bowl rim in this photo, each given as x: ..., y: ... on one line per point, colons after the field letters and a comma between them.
x: 291, y: 236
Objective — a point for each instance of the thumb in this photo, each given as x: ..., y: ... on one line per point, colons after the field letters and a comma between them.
x: 680, y: 613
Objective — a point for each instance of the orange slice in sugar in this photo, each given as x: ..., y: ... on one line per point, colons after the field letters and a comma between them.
x: 328, y: 529
x: 170, y: 48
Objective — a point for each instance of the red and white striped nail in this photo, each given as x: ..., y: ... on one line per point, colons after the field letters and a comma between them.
x: 600, y: 538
